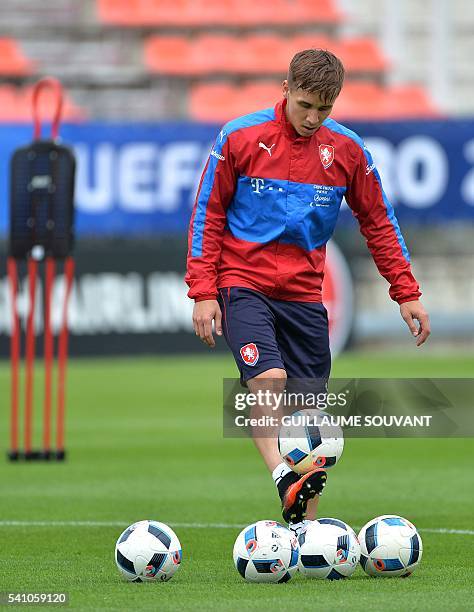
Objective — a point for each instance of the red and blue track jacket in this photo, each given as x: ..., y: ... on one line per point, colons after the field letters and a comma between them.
x: 267, y: 204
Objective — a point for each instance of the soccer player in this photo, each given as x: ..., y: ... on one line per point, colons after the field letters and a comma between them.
x: 267, y: 204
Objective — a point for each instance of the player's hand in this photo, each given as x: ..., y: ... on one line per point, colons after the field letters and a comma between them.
x: 412, y: 311
x: 203, y: 314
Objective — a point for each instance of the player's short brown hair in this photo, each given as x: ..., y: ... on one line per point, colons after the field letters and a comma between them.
x: 317, y: 70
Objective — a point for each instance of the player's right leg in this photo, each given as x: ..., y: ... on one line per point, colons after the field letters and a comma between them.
x: 295, y: 490
x: 265, y: 438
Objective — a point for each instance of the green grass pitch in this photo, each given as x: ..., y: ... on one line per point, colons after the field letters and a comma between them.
x: 145, y: 441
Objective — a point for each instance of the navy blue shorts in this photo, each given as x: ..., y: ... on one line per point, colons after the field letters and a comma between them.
x: 264, y: 333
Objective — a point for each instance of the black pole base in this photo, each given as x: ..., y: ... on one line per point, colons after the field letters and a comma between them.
x: 37, y: 455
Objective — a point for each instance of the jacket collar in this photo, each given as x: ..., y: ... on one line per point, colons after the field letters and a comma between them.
x: 288, y: 129
x: 280, y: 116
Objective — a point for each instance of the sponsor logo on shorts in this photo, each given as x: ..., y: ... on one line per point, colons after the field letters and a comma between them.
x: 249, y: 353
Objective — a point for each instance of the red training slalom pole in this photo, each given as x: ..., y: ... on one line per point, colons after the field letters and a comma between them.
x: 50, y: 268
x: 14, y: 356
x: 62, y: 357
x: 30, y: 354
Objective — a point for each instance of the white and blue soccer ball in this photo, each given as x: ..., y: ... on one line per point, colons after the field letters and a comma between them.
x: 390, y: 546
x: 329, y: 549
x: 148, y: 551
x: 266, y: 552
x: 307, y: 442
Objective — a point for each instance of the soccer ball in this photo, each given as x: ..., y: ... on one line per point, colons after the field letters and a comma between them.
x: 329, y: 548
x: 266, y: 552
x: 306, y: 444
x: 148, y: 551
x: 390, y: 546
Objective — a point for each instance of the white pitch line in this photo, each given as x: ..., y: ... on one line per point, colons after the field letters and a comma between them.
x: 113, y: 524
x: 450, y: 531
x: 123, y: 524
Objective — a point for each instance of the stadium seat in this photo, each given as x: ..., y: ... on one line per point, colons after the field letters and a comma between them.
x: 16, y: 105
x: 262, y: 54
x: 260, y: 94
x: 214, y: 53
x: 221, y: 53
x: 218, y: 102
x: 282, y: 12
x: 206, y: 54
x: 215, y: 102
x: 168, y: 55
x: 409, y: 102
x: 361, y: 55
x: 136, y: 13
x: 265, y: 54
x: 369, y: 101
x: 9, y: 107
x: 357, y: 54
x: 210, y: 12
x: 301, y: 42
x: 310, y: 11
x: 185, y: 13
x: 359, y: 101
x: 210, y: 53
x: 12, y: 60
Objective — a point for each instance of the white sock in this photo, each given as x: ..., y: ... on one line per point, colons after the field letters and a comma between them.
x: 281, y: 470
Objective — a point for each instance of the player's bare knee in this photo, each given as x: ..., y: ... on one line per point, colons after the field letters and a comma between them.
x: 273, y: 380
x: 272, y: 373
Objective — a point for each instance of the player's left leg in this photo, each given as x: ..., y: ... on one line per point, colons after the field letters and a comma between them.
x: 303, y: 340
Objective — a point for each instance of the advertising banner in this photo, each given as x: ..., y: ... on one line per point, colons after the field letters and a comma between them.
x: 129, y: 296
x: 140, y: 179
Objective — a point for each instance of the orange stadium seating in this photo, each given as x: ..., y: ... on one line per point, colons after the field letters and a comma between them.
x: 169, y: 55
x: 185, y: 13
x: 219, y: 102
x: 229, y: 55
x: 261, y: 54
x: 16, y: 105
x: 213, y: 53
x: 252, y: 53
x: 361, y: 55
x: 361, y: 100
x: 410, y: 101
x: 223, y: 101
x: 12, y: 60
x: 261, y: 93
x: 216, y: 102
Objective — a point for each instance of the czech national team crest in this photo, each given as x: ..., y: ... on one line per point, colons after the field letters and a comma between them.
x: 249, y: 353
x: 326, y: 154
